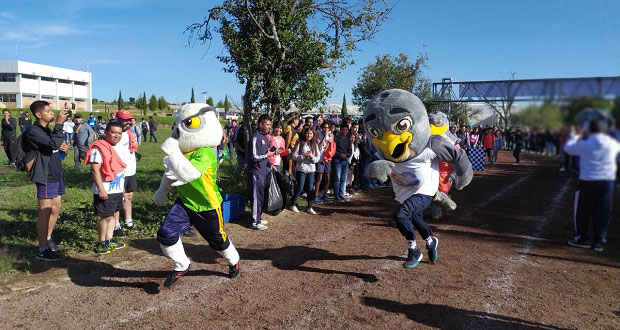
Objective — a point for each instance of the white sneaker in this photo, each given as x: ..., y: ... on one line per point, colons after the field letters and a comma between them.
x: 264, y: 222
x: 311, y: 211
x: 562, y: 169
x: 294, y: 209
x: 128, y: 223
x: 515, y: 164
x: 259, y: 226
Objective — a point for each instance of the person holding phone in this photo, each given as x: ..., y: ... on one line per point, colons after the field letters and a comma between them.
x: 256, y: 172
x: 278, y: 145
x: 344, y: 149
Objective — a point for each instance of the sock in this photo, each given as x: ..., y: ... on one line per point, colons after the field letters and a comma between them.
x: 128, y: 222
x: 230, y: 254
x: 429, y: 240
x: 177, y: 254
x: 49, y: 238
x: 42, y: 249
x: 412, y: 244
x: 117, y: 226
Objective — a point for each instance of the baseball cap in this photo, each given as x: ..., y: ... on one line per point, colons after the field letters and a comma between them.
x: 124, y: 114
x: 77, y: 115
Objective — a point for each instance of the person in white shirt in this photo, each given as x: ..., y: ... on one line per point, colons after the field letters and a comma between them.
x: 597, y: 153
x: 126, y: 151
x: 67, y: 128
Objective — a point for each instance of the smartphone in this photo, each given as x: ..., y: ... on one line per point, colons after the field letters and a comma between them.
x: 273, y: 149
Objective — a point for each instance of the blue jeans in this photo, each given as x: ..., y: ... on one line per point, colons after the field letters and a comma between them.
x: 240, y: 162
x: 304, y: 179
x: 340, y: 169
x: 68, y: 137
x: 230, y: 150
x: 409, y: 217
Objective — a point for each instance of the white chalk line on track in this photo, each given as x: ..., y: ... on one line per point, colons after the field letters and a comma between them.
x: 503, y: 282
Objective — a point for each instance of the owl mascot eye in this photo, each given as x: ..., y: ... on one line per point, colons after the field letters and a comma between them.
x: 398, y: 125
x: 191, y: 166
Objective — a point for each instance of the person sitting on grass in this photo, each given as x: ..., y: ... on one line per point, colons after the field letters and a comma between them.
x: 108, y: 172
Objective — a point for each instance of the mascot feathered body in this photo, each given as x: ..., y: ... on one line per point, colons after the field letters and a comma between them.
x: 440, y: 125
x: 398, y: 125
x: 191, y: 166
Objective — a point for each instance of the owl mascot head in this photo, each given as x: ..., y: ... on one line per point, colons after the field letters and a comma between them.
x: 191, y: 166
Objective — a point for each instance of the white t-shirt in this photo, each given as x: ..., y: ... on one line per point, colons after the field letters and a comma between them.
x: 129, y: 158
x: 67, y: 126
x: 111, y: 187
x: 419, y: 175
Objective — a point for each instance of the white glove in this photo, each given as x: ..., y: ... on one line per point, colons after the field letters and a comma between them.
x: 160, y: 195
x: 380, y: 170
x: 178, y: 168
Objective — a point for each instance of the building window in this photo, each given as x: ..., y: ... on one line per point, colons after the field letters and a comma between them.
x: 80, y: 100
x: 64, y: 98
x: 7, y: 77
x: 28, y: 76
x: 8, y: 97
x: 47, y: 97
x: 80, y: 83
x: 63, y: 81
x: 47, y: 79
x: 32, y: 96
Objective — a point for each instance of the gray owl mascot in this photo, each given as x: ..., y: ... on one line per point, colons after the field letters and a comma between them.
x: 191, y: 166
x: 398, y: 125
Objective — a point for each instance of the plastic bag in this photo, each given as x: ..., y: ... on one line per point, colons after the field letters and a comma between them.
x: 273, y: 201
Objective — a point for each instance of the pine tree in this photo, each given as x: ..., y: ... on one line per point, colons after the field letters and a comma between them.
x: 153, y: 104
x: 193, y: 99
x: 120, y: 102
x: 226, y: 104
x: 343, y: 111
x: 162, y: 103
x: 210, y: 101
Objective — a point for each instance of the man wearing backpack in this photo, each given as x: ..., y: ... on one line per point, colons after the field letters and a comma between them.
x: 82, y: 138
x: 9, y: 135
x: 145, y: 128
x: 152, y: 129
x: 47, y: 173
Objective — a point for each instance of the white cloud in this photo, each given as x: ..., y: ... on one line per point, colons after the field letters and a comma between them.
x: 32, y: 32
x: 7, y: 15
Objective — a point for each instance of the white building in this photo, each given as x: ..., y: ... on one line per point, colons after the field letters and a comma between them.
x: 22, y: 83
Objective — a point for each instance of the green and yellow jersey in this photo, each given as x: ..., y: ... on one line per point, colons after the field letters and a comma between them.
x: 201, y: 194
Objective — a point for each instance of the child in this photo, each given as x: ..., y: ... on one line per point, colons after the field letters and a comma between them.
x: 47, y: 173
x: 327, y: 148
x: 488, y: 143
x: 306, y: 155
x: 499, y: 142
x: 277, y: 141
x: 109, y: 181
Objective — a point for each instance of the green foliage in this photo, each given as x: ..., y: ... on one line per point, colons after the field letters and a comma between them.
x: 284, y: 50
x: 132, y: 100
x: 389, y: 72
x: 95, y: 101
x: 615, y: 111
x: 219, y: 104
x: 120, y: 103
x: 162, y: 104
x: 76, y: 230
x: 343, y: 110
x: 226, y: 104
x: 461, y: 113
x: 210, y: 101
x: 577, y: 104
x: 540, y: 117
x: 153, y: 103
x: 193, y: 99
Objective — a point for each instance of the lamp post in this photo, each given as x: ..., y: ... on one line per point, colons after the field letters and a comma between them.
x: 205, y: 94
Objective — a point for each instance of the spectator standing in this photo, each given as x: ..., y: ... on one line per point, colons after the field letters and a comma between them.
x: 20, y: 121
x: 108, y: 173
x: 240, y: 142
x: 152, y: 129
x: 136, y: 130
x: 47, y: 173
x: 100, y: 127
x: 67, y: 128
x: 344, y: 149
x: 145, y: 129
x: 463, y: 137
x: 112, y: 117
x: 518, y: 143
x: 231, y: 146
x: 126, y: 149
x: 306, y: 154
x: 594, y: 196
x: 9, y: 136
x: 92, y: 122
x: 473, y: 138
x: 488, y: 143
x: 256, y: 172
x: 82, y: 138
x: 499, y: 142
x: 327, y: 148
x: 278, y: 142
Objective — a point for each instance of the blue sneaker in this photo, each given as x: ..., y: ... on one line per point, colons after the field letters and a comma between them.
x: 326, y: 199
x: 414, y: 256
x: 432, y: 250
x: 318, y: 200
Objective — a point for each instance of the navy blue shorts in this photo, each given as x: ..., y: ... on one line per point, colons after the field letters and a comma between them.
x: 50, y: 190
x: 323, y: 167
x: 209, y: 224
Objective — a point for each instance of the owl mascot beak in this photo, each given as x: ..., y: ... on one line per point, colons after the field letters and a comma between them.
x: 438, y: 130
x: 394, y: 146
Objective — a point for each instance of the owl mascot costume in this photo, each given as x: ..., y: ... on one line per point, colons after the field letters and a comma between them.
x: 191, y: 166
x: 440, y: 125
x: 398, y: 125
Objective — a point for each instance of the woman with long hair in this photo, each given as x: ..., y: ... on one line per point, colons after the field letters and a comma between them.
x: 306, y: 155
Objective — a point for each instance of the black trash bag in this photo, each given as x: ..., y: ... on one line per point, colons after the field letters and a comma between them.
x: 287, y: 187
x: 273, y: 202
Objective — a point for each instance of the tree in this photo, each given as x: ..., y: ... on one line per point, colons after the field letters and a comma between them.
x: 210, y: 101
x: 162, y: 104
x: 343, y: 110
x: 132, y: 100
x: 193, y: 99
x: 226, y: 104
x: 390, y: 72
x: 544, y: 117
x: 275, y: 52
x: 153, y: 103
x: 95, y: 101
x: 577, y: 104
x: 461, y: 113
x: 120, y: 103
x: 219, y: 104
x: 141, y: 103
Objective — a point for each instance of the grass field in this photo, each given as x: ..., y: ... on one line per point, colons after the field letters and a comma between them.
x: 76, y: 230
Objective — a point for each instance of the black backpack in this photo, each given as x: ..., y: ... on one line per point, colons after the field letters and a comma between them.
x: 24, y: 158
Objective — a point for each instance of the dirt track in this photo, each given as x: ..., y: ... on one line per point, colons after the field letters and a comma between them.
x: 503, y: 264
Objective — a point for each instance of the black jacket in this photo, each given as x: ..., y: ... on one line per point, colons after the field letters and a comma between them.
x: 48, y: 166
x: 9, y: 130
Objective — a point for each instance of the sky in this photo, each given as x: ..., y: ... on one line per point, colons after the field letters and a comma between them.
x: 137, y: 46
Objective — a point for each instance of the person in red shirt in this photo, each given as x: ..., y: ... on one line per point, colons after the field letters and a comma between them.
x: 488, y: 143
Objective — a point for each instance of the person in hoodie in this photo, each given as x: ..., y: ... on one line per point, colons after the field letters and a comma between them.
x: 597, y: 153
x: 257, y: 166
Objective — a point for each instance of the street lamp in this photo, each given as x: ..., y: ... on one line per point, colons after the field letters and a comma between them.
x: 205, y: 94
